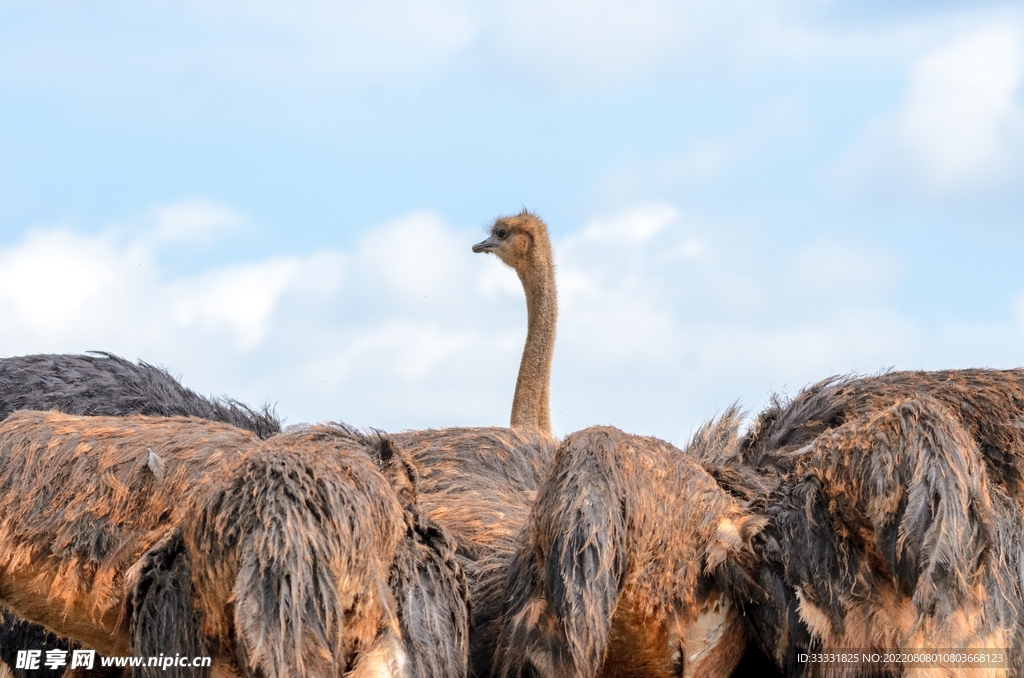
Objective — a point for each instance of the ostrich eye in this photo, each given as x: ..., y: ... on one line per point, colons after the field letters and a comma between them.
x: 501, y: 233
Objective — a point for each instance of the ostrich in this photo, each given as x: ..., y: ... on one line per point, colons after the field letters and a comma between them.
x: 895, y: 513
x: 479, y: 483
x: 305, y: 553
x: 101, y: 384
x: 633, y: 565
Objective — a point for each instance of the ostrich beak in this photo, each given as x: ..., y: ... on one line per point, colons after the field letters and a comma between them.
x: 486, y: 246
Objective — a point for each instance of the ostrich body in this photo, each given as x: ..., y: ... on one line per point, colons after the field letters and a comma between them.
x: 102, y: 384
x: 479, y: 484
x: 82, y: 502
x: 895, y: 513
x: 300, y: 555
x: 632, y: 565
x: 312, y: 558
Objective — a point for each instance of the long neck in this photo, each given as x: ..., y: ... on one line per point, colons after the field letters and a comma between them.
x: 530, y: 407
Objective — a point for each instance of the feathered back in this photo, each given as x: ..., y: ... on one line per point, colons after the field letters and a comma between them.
x: 895, y: 492
x: 106, y: 385
x: 82, y: 498
x: 315, y: 557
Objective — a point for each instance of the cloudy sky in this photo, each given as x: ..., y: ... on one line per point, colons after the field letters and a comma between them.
x: 276, y: 201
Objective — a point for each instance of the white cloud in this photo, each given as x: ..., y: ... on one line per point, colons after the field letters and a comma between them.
x: 317, y: 43
x: 192, y: 221
x: 962, y: 109
x: 665, y: 318
x: 239, y: 299
x: 581, y: 44
x: 959, y: 129
x: 414, y: 258
x: 326, y: 42
x: 708, y: 159
x: 631, y: 228
x: 58, y: 286
x: 296, y: 45
x: 574, y: 45
x: 698, y: 289
x: 117, y: 51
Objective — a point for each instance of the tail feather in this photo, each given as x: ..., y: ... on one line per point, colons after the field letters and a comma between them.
x: 562, y: 607
x: 296, y: 552
x: 287, y: 608
x: 435, y: 610
x: 312, y: 582
x: 164, y: 619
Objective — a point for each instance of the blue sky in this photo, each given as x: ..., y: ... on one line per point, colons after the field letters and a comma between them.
x: 276, y: 202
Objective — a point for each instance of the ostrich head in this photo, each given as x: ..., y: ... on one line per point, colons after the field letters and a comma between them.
x: 520, y: 240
